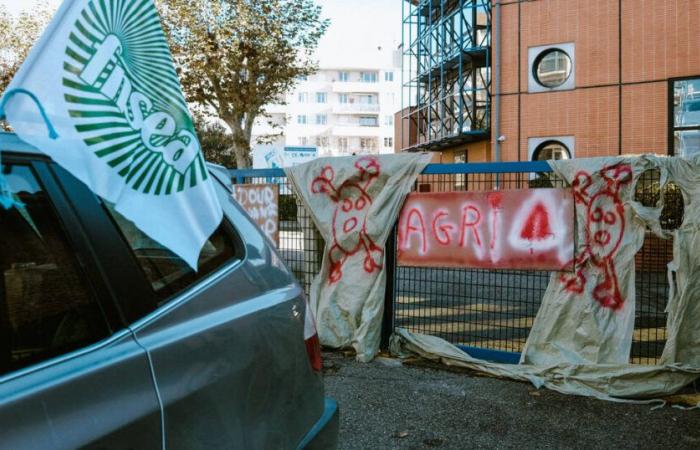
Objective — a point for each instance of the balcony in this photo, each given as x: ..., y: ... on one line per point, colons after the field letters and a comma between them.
x: 356, y: 87
x: 356, y: 108
x: 356, y: 131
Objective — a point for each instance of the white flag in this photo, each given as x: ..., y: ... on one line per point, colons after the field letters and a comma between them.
x: 99, y: 94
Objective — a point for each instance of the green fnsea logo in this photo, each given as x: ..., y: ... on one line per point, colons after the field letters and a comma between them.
x: 124, y: 97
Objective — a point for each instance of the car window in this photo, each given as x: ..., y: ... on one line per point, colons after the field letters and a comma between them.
x: 165, y: 271
x: 46, y: 305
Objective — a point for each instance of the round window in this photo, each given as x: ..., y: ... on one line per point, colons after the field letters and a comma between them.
x: 551, y: 150
x: 552, y: 68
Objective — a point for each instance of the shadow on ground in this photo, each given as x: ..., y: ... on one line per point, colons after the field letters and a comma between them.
x: 387, y: 405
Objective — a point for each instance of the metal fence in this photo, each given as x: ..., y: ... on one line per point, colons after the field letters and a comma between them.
x: 490, y: 312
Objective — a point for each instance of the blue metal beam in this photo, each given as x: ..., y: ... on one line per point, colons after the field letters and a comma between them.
x: 431, y: 169
x: 499, y: 167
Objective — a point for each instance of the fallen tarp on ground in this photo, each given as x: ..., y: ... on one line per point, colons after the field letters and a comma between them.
x: 604, y: 381
x: 354, y: 201
x: 581, y: 339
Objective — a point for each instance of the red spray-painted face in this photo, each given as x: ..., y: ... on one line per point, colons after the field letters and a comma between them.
x: 350, y: 217
x: 605, y: 225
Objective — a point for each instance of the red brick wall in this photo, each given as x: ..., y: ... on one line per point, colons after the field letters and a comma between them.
x: 660, y: 39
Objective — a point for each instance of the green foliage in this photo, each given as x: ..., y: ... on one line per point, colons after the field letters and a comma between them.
x: 235, y: 56
x: 17, y: 36
x: 648, y: 192
x: 287, y: 207
x: 216, y: 143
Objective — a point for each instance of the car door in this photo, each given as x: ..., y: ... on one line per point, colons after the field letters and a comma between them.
x: 226, y: 342
x: 71, y: 374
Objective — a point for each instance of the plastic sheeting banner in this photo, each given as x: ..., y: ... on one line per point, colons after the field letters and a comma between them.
x: 581, y: 339
x: 522, y: 229
x: 354, y: 202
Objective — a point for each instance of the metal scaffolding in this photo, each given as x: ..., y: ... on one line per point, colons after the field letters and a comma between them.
x: 446, y: 76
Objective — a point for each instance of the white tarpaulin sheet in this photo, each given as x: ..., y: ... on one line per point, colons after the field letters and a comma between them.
x: 581, y: 338
x: 354, y: 202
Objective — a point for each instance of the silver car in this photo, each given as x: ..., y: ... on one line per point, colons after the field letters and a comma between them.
x: 110, y: 341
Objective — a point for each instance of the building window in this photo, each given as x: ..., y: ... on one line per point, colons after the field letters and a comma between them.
x: 388, y: 76
x: 303, y: 97
x: 322, y: 141
x: 368, y: 144
x: 302, y: 78
x: 460, y: 178
x: 685, y: 120
x: 388, y: 120
x: 551, y: 150
x: 321, y: 97
x: 388, y: 142
x: 368, y: 99
x: 303, y: 141
x: 321, y: 119
x: 343, y: 76
x: 301, y: 120
x: 343, y: 98
x: 368, y: 121
x: 552, y: 67
x: 368, y: 77
x: 343, y: 144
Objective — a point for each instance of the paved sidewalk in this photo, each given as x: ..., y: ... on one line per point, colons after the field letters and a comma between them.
x: 386, y: 405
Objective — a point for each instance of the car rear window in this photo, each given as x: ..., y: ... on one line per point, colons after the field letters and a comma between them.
x: 167, y: 273
x: 47, y: 307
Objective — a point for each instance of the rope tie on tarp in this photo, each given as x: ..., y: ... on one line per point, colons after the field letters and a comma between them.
x: 12, y: 92
x: 7, y: 198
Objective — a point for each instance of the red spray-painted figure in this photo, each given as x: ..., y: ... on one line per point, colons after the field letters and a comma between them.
x: 605, y: 228
x: 350, y: 216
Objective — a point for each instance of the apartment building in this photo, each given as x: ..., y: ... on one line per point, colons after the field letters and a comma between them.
x: 550, y: 79
x: 340, y: 111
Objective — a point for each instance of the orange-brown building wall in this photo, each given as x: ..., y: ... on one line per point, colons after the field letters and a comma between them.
x: 626, y: 51
x: 620, y: 100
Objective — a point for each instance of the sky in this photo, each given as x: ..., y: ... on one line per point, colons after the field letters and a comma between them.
x: 358, y: 28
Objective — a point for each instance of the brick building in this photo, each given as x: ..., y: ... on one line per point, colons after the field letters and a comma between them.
x: 550, y: 78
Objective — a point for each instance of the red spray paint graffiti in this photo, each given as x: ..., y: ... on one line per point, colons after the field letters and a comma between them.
x: 605, y: 228
x: 350, y: 217
x: 525, y: 229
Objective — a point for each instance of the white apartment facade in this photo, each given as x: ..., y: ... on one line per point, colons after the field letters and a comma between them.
x: 340, y: 111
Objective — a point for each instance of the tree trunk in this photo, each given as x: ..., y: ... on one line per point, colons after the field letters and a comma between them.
x: 241, y: 143
x: 243, y: 160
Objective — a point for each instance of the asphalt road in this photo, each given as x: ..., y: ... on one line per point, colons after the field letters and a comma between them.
x: 389, y: 406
